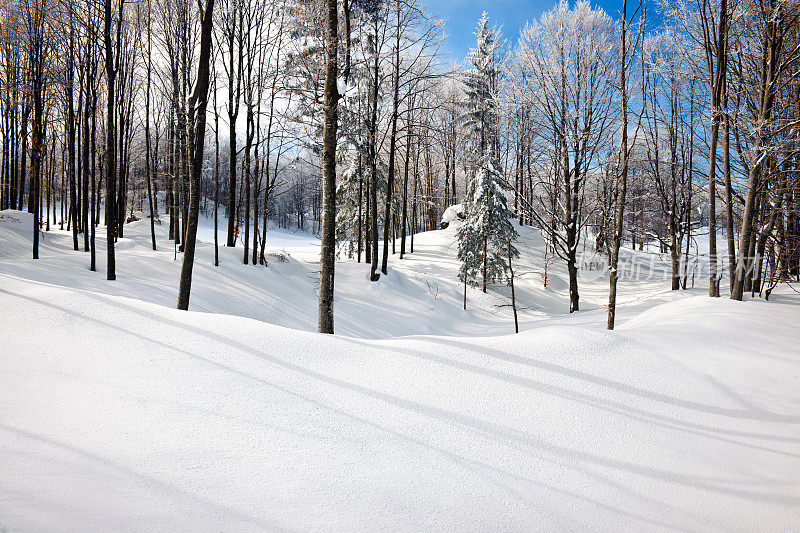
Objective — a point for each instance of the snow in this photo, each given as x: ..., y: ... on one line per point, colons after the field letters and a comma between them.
x: 121, y: 413
x: 453, y: 213
x: 341, y: 86
x: 421, y: 294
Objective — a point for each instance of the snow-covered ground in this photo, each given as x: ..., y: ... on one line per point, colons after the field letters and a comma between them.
x: 420, y: 295
x: 121, y: 413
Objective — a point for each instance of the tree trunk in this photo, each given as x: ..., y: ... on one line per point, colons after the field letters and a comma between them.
x: 729, y: 195
x: 247, y: 148
x: 513, y: 295
x: 256, y: 183
x: 37, y: 145
x: 147, y: 133
x: 360, y: 208
x: 23, y: 157
x: 328, y: 229
x: 216, y: 178
x: 404, y: 219
x: 110, y: 161
x: 197, y: 109
x: 233, y: 113
x: 766, y: 96
x: 392, y: 150
x: 367, y: 226
x: 619, y: 217
x: 373, y: 163
x: 70, y: 127
x: 86, y: 161
x: 716, y: 96
x: 95, y: 202
x: 572, y: 270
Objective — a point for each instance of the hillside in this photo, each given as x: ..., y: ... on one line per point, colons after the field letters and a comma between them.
x: 121, y: 413
x: 420, y: 295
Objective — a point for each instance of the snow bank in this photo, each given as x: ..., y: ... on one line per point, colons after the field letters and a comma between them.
x: 454, y: 213
x: 120, y: 415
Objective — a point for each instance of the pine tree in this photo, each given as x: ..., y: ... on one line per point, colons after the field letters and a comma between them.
x: 349, y: 204
x: 469, y: 244
x: 482, y: 102
x: 484, y: 236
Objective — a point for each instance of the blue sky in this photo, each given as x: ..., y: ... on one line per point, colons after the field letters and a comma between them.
x: 462, y: 17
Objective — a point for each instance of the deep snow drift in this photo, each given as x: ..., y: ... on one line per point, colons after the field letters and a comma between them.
x: 122, y: 414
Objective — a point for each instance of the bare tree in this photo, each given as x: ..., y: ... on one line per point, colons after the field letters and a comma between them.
x: 626, y: 56
x: 198, y: 103
x: 564, y: 63
x: 777, y: 51
x: 38, y: 43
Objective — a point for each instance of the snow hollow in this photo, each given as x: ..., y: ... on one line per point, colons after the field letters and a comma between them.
x: 120, y: 413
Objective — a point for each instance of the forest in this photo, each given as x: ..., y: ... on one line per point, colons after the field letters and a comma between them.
x: 351, y: 122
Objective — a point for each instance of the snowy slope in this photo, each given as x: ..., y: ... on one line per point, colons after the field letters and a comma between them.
x: 120, y: 415
x: 420, y: 295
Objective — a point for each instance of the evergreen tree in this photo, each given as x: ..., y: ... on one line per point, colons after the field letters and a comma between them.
x: 483, y: 238
x: 469, y: 253
x: 481, y: 104
x: 347, y: 211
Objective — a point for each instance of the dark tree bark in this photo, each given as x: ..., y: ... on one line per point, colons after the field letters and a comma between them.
x: 773, y: 41
x: 198, y: 104
x: 413, y: 224
x: 38, y: 51
x: 70, y: 127
x: 367, y: 233
x: 392, y: 147
x: 95, y: 200
x: 232, y: 27
x: 485, y: 258
x: 23, y: 158
x: 360, y: 210
x: 373, y: 167
x: 110, y: 161
x: 511, y: 277
x: 216, y: 176
x: 619, y: 216
x: 328, y: 229
x: 89, y: 79
x: 720, y: 47
x: 5, y: 162
x: 148, y: 162
x: 247, y: 178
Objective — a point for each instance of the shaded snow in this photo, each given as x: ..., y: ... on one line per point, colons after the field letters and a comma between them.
x: 125, y: 415
x: 121, y: 415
